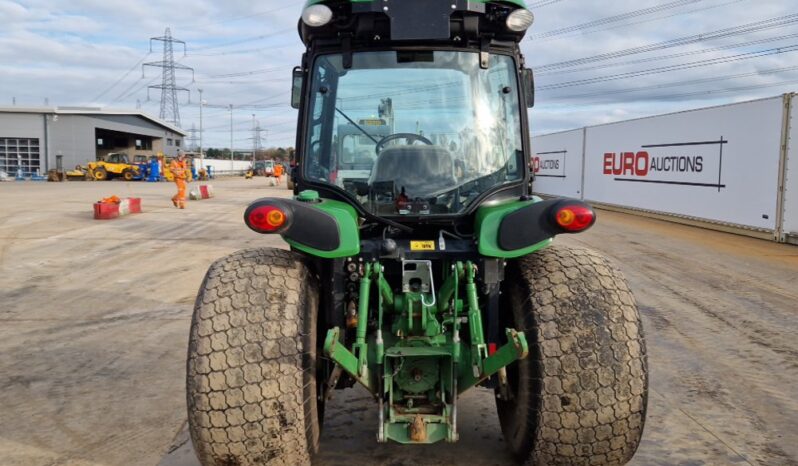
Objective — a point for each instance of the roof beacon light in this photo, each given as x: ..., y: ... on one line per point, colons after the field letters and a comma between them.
x: 317, y: 15
x: 520, y: 20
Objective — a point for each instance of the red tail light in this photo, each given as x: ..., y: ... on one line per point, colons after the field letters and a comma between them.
x: 574, y: 218
x: 266, y: 219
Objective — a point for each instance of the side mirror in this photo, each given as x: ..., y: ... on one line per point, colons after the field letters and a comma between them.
x: 528, y: 81
x: 296, y: 87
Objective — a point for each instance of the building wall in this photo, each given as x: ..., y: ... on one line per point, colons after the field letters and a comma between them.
x: 22, y: 125
x: 73, y: 136
x: 27, y: 126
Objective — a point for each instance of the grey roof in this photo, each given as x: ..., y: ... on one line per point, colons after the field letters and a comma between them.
x: 92, y: 111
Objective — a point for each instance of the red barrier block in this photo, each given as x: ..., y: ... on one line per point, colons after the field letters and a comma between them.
x: 107, y: 210
x: 206, y: 191
x: 135, y: 205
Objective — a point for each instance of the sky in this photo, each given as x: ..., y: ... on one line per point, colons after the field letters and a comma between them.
x: 595, y: 62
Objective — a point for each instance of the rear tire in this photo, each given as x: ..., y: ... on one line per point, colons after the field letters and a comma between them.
x: 580, y: 397
x: 251, y: 371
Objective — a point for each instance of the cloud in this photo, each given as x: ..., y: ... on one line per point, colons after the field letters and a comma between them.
x: 243, y: 52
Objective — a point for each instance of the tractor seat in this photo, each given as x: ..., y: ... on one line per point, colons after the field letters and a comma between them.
x: 421, y: 170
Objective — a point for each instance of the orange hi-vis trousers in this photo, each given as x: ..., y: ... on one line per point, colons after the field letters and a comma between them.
x: 180, y: 197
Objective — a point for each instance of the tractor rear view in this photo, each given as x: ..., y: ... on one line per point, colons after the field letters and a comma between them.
x: 420, y: 264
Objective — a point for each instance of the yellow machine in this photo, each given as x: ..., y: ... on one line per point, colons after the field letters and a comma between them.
x: 79, y: 174
x: 113, y: 165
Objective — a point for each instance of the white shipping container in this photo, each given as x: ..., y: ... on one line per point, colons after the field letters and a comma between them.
x: 789, y: 180
x: 557, y: 164
x: 719, y: 164
x: 223, y: 166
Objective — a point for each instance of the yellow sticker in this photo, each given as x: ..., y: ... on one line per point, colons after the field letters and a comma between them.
x: 422, y: 245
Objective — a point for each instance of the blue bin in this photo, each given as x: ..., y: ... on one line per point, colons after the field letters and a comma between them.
x: 154, y: 172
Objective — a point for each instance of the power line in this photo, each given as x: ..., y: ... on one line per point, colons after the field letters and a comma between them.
x: 245, y: 40
x: 674, y: 55
x: 125, y: 75
x: 656, y: 18
x: 670, y: 68
x: 613, y: 19
x: 722, y: 91
x: 689, y: 82
x: 129, y: 92
x: 245, y: 51
x: 249, y: 73
x: 757, y: 26
x: 542, y: 3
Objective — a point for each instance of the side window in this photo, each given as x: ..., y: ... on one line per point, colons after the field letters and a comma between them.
x: 319, y: 154
x: 322, y: 91
x: 504, y: 82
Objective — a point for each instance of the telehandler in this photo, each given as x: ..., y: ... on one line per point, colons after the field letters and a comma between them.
x: 115, y: 164
x: 432, y: 274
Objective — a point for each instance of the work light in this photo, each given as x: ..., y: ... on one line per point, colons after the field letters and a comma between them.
x: 520, y: 20
x: 317, y: 15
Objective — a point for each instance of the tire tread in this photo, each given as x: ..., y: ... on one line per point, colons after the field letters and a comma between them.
x: 250, y: 392
x: 588, y: 370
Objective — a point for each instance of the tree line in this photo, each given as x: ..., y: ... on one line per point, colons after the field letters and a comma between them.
x: 273, y: 153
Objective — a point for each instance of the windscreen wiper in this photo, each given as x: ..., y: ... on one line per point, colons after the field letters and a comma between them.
x: 356, y: 125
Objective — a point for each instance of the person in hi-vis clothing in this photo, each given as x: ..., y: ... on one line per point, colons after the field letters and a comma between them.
x: 178, y: 167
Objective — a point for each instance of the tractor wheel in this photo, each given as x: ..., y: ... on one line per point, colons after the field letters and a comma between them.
x: 100, y: 174
x: 251, y: 371
x: 127, y: 174
x: 580, y: 396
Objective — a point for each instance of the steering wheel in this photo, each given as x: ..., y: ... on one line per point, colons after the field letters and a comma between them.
x: 410, y: 137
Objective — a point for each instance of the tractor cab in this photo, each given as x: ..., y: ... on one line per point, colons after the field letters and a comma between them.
x: 451, y: 99
x: 116, y: 157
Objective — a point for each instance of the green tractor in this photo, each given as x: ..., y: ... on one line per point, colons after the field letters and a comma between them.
x: 432, y: 275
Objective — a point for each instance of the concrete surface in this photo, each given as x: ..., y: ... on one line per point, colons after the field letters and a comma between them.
x: 94, y: 320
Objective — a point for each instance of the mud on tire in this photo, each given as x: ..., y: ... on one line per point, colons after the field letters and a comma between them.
x: 251, y: 377
x: 580, y: 397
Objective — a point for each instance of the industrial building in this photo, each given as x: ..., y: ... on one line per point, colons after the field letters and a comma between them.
x: 31, y: 139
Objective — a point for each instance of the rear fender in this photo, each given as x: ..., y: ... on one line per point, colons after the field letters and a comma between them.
x: 322, y: 228
x: 518, y: 228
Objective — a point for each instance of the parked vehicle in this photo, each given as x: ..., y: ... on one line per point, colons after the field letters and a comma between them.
x: 418, y: 280
x: 113, y: 165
